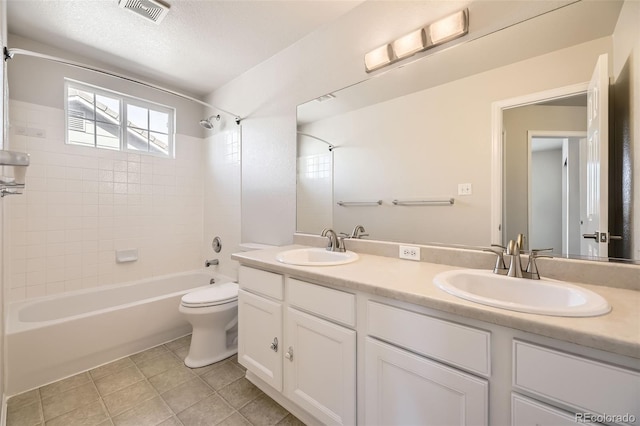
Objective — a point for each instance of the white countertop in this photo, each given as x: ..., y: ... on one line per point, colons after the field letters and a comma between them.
x: 409, y: 281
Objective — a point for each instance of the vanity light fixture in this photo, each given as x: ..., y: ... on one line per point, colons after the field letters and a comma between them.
x: 409, y: 44
x: 441, y: 31
x: 378, y: 58
x: 449, y: 28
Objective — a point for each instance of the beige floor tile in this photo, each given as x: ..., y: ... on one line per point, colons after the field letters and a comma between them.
x: 119, y: 380
x: 64, y: 385
x: 234, y: 359
x: 159, y: 364
x: 25, y: 414
x: 171, y: 421
x: 290, y: 420
x: 239, y: 393
x: 263, y: 411
x: 223, y: 374
x: 89, y: 415
x: 235, y: 419
x: 187, y: 394
x: 124, y: 399
x: 23, y: 399
x: 109, y: 369
x: 179, y: 343
x: 171, y: 378
x: 148, y: 354
x: 201, y: 371
x: 182, y: 352
x: 70, y: 400
x: 149, y: 413
x: 209, y: 411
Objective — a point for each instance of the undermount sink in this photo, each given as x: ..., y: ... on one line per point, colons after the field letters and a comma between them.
x: 544, y: 296
x: 316, y: 257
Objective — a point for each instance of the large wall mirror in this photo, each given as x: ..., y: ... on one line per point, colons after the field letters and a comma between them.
x: 409, y: 153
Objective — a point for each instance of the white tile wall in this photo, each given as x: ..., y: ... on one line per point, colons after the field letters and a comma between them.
x: 222, y: 197
x: 82, y: 204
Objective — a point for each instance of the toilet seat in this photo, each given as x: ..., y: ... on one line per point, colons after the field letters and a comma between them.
x: 217, y: 294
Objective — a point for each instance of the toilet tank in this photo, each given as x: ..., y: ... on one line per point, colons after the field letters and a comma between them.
x: 254, y: 246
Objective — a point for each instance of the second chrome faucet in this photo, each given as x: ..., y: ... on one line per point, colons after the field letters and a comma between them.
x: 513, y: 252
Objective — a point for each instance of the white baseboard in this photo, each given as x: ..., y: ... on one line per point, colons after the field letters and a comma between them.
x: 3, y: 411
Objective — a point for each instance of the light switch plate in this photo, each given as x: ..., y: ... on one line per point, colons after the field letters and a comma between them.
x: 464, y: 189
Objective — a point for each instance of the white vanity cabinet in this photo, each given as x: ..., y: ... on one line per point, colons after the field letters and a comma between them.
x: 300, y: 342
x: 397, y: 363
x: 260, y: 324
x: 576, y: 383
x: 404, y: 387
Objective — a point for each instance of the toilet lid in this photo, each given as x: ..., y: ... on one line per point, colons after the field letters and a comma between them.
x: 216, y: 294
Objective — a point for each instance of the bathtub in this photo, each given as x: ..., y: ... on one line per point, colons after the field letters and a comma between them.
x: 53, y: 337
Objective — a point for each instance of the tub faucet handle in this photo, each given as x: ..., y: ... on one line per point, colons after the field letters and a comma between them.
x: 213, y: 262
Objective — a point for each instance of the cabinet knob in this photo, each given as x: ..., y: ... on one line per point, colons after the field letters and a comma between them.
x: 274, y: 345
x: 289, y: 354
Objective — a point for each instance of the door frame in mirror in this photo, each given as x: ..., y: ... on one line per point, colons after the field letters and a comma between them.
x: 497, y: 148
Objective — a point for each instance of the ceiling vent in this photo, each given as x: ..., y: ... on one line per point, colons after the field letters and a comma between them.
x: 149, y: 9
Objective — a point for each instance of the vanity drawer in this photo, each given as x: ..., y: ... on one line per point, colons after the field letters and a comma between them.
x: 332, y: 304
x: 581, y: 383
x: 527, y: 412
x: 261, y: 282
x: 455, y: 344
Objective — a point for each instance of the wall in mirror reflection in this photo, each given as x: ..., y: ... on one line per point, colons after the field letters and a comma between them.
x: 423, y: 145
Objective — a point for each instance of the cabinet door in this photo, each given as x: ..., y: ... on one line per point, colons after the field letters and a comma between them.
x: 402, y: 388
x: 260, y: 337
x: 320, y: 367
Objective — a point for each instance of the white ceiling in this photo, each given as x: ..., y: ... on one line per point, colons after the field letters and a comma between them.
x: 199, y: 46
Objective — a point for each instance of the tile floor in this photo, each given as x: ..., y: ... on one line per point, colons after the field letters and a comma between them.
x: 151, y: 388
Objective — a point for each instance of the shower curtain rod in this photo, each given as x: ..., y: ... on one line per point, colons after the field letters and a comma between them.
x: 9, y: 53
x: 331, y: 146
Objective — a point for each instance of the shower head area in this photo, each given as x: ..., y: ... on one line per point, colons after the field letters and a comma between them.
x: 207, y: 123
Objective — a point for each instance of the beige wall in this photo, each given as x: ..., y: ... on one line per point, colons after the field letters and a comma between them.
x: 41, y: 82
x: 320, y: 63
x: 517, y: 122
x: 426, y: 143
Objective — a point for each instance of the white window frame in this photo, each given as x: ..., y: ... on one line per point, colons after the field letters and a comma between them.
x: 124, y: 101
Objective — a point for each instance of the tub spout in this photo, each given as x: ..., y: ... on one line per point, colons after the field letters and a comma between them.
x: 208, y: 263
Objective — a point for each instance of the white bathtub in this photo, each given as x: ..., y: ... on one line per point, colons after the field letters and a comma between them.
x: 53, y: 337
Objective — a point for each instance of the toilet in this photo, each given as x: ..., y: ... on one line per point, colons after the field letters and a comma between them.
x: 213, y: 314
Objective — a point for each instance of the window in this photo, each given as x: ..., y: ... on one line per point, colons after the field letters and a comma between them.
x: 105, y: 119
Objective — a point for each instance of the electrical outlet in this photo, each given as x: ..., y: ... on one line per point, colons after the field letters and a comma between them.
x: 464, y: 189
x: 409, y: 252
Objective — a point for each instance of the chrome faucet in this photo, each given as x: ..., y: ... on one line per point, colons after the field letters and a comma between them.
x: 515, y: 263
x: 358, y: 232
x: 335, y: 243
x: 499, y: 268
x: 532, y: 267
x: 513, y: 252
